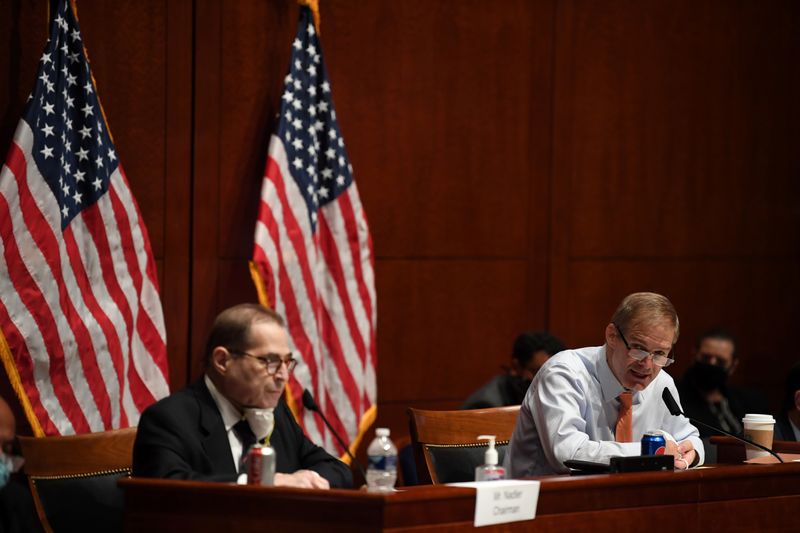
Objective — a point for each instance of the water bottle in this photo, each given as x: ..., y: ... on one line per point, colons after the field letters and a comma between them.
x: 382, y: 469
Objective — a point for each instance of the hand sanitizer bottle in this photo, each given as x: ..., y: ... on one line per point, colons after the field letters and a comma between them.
x: 489, y: 471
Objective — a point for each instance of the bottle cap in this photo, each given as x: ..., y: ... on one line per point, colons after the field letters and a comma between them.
x: 490, y: 457
x: 382, y: 432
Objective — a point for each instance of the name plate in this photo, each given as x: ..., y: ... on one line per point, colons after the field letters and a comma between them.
x: 498, y: 502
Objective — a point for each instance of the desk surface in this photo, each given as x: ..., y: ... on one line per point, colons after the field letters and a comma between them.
x: 730, y: 498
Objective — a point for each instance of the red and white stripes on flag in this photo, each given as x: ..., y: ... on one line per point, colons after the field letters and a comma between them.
x: 83, y: 338
x: 313, y: 259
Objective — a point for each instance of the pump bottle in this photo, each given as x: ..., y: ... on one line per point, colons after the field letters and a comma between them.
x: 489, y: 471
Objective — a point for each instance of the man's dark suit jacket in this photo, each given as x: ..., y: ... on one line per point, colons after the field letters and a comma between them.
x: 183, y: 437
x: 783, y: 428
x: 740, y: 401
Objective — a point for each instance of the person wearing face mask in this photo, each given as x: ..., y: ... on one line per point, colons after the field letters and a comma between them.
x: 203, y: 431
x: 705, y: 392
x: 17, y: 512
x: 529, y: 353
x: 787, y: 423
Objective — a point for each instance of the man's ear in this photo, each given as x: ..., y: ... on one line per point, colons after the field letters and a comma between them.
x: 797, y: 400
x: 220, y: 359
x: 611, y: 333
x: 734, y: 364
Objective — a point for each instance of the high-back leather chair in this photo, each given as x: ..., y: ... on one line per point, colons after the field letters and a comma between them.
x: 73, y: 479
x: 445, y: 443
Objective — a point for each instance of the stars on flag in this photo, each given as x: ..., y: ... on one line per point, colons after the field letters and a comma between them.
x: 308, y: 127
x: 71, y: 147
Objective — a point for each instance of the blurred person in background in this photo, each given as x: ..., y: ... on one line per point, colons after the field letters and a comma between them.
x: 529, y: 353
x: 17, y: 513
x: 705, y: 391
x: 787, y: 423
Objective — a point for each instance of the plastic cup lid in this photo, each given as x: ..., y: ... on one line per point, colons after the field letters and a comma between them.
x: 752, y: 417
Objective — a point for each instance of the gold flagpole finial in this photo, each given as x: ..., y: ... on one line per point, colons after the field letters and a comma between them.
x: 314, y: 6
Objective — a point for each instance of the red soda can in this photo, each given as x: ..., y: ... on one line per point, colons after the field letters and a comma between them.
x: 261, y: 465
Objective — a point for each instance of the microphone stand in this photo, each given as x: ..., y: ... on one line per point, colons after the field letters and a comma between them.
x: 748, y: 441
x: 674, y: 410
x: 309, y: 403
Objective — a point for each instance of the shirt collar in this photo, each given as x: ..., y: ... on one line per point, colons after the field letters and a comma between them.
x: 230, y: 414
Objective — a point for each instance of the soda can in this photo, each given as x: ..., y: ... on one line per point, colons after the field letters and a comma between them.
x: 261, y: 465
x: 653, y: 443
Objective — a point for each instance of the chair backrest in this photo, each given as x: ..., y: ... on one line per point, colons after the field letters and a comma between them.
x: 445, y: 443
x: 74, y: 479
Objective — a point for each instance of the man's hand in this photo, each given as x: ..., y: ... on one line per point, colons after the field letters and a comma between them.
x: 303, y: 479
x: 683, y: 453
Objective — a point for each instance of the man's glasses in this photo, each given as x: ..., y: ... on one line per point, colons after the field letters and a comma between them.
x: 659, y: 358
x: 272, y: 362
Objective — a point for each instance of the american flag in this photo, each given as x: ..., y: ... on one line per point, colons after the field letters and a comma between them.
x: 313, y: 257
x: 83, y: 335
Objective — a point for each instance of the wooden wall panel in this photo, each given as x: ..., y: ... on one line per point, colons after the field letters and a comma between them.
x: 435, y: 103
x: 449, y: 319
x: 176, y: 272
x: 676, y: 169
x: 255, y: 41
x: 523, y: 164
x: 23, y: 27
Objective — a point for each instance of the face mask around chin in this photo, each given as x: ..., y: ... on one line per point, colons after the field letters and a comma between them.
x: 5, y: 469
x: 708, y: 377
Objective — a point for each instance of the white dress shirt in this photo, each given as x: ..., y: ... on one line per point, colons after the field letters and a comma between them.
x: 571, y: 409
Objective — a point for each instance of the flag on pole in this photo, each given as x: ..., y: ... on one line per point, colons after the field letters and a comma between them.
x: 83, y: 338
x: 313, y: 259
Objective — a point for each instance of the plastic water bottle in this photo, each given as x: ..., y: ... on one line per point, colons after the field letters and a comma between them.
x: 382, y: 469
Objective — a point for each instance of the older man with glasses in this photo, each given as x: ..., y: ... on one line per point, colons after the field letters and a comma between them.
x: 204, y: 431
x: 591, y: 404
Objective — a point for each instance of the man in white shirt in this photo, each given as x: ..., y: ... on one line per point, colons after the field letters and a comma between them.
x: 572, y: 408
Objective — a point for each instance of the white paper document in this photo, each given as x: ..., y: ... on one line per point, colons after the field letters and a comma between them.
x: 498, y: 502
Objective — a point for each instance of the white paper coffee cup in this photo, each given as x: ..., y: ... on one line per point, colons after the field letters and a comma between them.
x: 758, y: 428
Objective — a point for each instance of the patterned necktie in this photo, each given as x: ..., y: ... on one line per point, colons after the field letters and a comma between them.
x: 624, y: 428
x: 248, y: 438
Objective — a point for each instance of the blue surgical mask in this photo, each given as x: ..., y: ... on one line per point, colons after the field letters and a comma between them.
x: 5, y: 469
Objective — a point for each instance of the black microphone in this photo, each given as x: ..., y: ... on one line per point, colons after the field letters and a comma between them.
x: 311, y: 405
x: 674, y: 410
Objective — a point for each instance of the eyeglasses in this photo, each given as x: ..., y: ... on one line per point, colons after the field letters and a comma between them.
x: 271, y: 362
x: 659, y: 358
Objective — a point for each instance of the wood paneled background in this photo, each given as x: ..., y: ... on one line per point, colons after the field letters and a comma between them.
x: 524, y: 164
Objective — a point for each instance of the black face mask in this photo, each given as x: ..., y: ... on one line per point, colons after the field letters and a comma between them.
x: 518, y: 386
x: 707, y: 377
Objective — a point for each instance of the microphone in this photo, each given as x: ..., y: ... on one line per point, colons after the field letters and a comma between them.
x: 311, y: 405
x: 674, y: 410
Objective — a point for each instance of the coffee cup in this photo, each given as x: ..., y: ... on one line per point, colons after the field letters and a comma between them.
x: 758, y: 428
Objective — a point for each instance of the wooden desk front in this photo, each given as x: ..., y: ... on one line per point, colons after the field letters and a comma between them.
x: 724, y: 498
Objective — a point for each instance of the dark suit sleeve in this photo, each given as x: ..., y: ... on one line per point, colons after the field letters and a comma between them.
x: 312, y: 457
x: 162, y: 450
